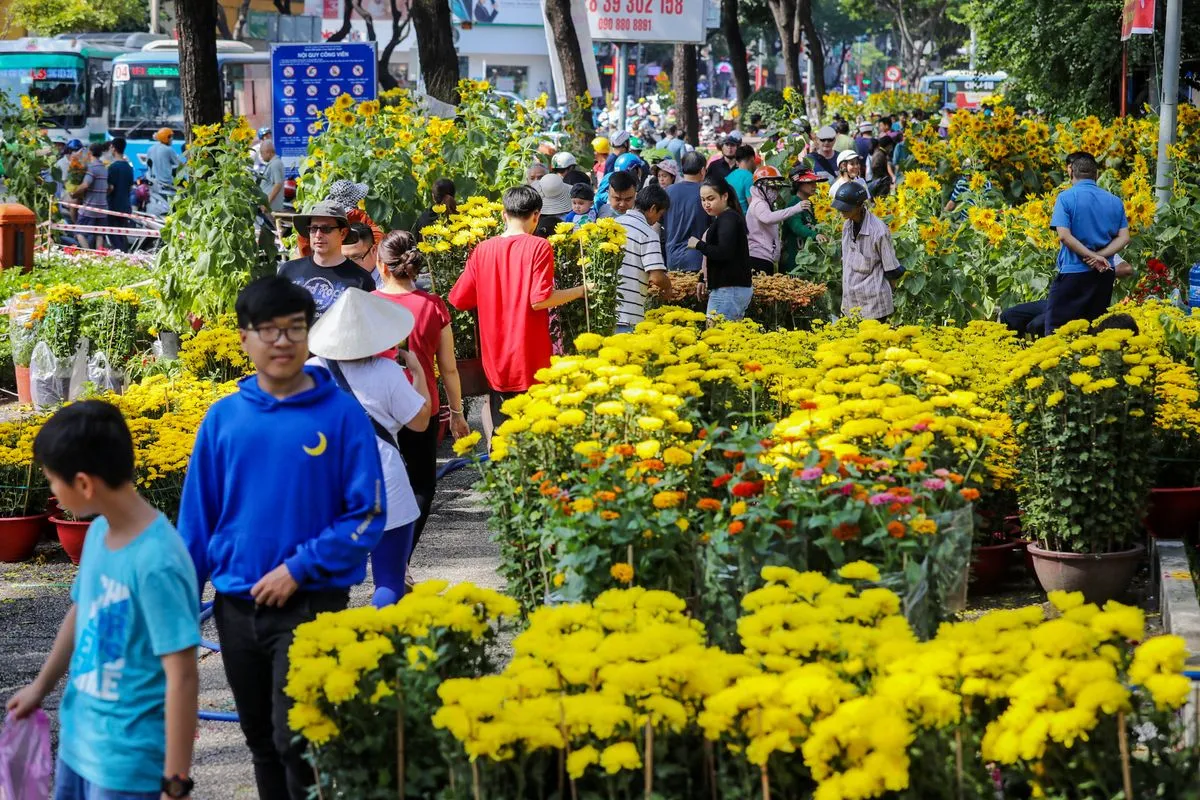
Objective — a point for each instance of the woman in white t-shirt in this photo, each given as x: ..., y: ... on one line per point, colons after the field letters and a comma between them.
x: 346, y: 341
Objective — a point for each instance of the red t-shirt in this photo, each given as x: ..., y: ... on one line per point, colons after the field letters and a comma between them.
x: 430, y: 316
x: 503, y: 278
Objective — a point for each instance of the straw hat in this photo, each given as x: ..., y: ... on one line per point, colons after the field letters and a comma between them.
x: 359, y: 325
x: 556, y: 195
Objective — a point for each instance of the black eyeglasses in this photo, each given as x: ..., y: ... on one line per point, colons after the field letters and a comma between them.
x: 323, y: 229
x: 828, y: 140
x: 270, y: 333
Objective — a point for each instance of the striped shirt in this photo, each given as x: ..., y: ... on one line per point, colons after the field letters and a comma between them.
x: 643, y: 254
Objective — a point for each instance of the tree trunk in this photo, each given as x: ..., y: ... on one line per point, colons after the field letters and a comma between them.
x: 570, y: 59
x: 737, y: 48
x: 283, y: 6
x: 684, y: 77
x: 239, y: 27
x: 222, y: 22
x: 435, y: 48
x: 816, y: 52
x: 199, y: 78
x: 343, y: 31
x: 399, y: 31
x: 783, y: 12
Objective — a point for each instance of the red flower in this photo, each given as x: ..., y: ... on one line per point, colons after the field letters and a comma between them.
x: 721, y: 480
x: 786, y: 524
x: 845, y: 532
x: 748, y: 488
x: 1155, y: 266
x: 807, y: 405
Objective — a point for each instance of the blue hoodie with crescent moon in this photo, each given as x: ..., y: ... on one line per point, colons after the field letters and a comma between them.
x: 295, y: 481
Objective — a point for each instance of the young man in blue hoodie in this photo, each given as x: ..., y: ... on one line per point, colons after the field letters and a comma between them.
x: 283, y: 502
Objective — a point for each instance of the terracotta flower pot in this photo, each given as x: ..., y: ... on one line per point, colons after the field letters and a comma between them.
x: 24, y: 390
x: 71, y: 534
x: 1100, y: 576
x: 19, y: 536
x: 1174, y: 513
x: 989, y: 566
x: 474, y: 381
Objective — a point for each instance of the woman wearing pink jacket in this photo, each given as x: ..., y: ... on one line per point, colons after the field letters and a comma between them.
x: 762, y: 220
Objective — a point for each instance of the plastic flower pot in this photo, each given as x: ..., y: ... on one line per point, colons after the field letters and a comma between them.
x: 1174, y: 513
x: 24, y: 391
x: 1100, y: 576
x: 989, y: 566
x: 71, y: 534
x: 19, y: 536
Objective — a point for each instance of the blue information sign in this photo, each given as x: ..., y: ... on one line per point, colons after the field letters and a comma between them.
x: 307, y: 78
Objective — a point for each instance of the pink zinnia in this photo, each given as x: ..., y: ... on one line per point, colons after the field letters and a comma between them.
x: 934, y: 483
x: 881, y: 498
x: 811, y: 473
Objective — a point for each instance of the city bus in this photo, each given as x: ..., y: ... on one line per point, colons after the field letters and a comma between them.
x: 146, y: 94
x: 963, y: 89
x: 69, y: 77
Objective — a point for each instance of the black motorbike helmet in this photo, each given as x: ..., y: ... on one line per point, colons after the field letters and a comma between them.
x: 850, y: 196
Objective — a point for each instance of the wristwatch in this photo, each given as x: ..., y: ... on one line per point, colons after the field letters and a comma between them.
x: 177, y: 786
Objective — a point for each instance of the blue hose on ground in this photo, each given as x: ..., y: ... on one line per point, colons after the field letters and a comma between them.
x: 456, y: 464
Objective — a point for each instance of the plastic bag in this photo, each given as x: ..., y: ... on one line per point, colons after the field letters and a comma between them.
x: 53, y: 381
x: 26, y: 763
x: 103, y: 376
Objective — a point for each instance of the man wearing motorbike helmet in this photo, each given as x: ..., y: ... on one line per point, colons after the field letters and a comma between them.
x: 619, y: 143
x: 727, y: 162
x: 869, y: 263
x: 628, y: 163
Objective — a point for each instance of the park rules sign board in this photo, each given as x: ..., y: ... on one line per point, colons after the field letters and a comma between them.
x: 647, y: 20
x: 308, y: 78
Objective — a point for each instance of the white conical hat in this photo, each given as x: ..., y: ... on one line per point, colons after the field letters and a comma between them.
x: 359, y: 325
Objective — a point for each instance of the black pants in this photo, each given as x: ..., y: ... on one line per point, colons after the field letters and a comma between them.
x: 1026, y: 318
x: 420, y: 459
x: 1078, y: 295
x: 762, y: 265
x: 254, y: 649
x: 495, y: 400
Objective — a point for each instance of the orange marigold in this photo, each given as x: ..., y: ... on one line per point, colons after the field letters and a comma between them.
x: 621, y: 572
x: 708, y: 504
x: 736, y: 527
x: 895, y: 529
x: 970, y: 495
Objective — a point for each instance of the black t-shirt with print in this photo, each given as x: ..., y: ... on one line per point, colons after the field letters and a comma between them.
x: 326, y: 284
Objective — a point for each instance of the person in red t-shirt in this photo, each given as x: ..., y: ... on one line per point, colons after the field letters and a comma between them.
x: 432, y: 339
x: 510, y: 281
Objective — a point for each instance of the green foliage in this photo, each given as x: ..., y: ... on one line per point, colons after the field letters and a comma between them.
x: 52, y: 17
x: 209, y: 251
x: 25, y: 152
x: 1059, y: 56
x: 763, y: 104
x: 89, y: 271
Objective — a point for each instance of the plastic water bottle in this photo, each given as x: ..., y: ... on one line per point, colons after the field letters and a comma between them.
x: 1194, y: 285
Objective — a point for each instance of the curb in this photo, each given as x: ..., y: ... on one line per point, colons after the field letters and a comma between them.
x: 1181, y: 616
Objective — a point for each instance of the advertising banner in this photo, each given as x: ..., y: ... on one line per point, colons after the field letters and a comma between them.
x: 307, y: 78
x: 647, y: 20
x: 1137, y: 19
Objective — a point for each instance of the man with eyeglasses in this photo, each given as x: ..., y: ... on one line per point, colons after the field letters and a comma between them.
x: 327, y: 272
x: 364, y: 252
x: 824, y: 158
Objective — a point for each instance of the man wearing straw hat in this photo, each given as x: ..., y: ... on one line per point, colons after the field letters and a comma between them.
x: 509, y: 280
x: 346, y: 341
x: 282, y: 504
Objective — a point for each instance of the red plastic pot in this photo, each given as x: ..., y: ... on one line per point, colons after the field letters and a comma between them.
x: 19, y: 536
x: 24, y: 388
x: 1174, y: 513
x: 989, y: 566
x: 71, y: 534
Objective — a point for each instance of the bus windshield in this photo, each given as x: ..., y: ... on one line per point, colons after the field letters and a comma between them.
x: 143, y: 103
x: 59, y: 89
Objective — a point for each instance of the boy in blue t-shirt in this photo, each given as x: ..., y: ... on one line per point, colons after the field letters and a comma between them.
x: 583, y: 205
x: 128, y: 715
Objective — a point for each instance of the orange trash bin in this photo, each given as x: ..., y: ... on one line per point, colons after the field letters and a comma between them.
x: 18, y: 234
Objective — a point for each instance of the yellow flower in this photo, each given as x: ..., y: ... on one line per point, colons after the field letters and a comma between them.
x: 621, y: 572
x: 467, y: 443
x: 859, y: 571
x: 619, y: 756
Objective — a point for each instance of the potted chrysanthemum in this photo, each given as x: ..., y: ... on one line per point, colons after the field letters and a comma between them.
x: 1084, y: 407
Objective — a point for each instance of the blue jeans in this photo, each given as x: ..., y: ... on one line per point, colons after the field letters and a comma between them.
x: 730, y: 302
x: 70, y: 786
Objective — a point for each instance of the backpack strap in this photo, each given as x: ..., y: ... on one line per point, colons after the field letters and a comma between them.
x: 339, y: 377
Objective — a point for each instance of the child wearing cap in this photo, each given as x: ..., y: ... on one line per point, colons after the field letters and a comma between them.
x: 799, y: 229
x: 583, y: 205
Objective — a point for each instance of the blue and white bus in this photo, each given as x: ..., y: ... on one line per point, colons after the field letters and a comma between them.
x: 146, y: 94
x: 69, y: 77
x: 963, y: 89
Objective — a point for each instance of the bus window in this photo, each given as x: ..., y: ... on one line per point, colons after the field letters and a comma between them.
x: 59, y: 89
x: 938, y: 89
x: 99, y: 75
x: 247, y: 90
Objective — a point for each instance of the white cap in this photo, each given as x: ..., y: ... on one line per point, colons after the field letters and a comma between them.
x: 827, y: 132
x: 847, y: 155
x: 359, y: 325
x: 563, y: 160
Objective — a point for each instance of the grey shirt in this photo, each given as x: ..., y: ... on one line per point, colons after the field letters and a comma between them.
x: 273, y: 175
